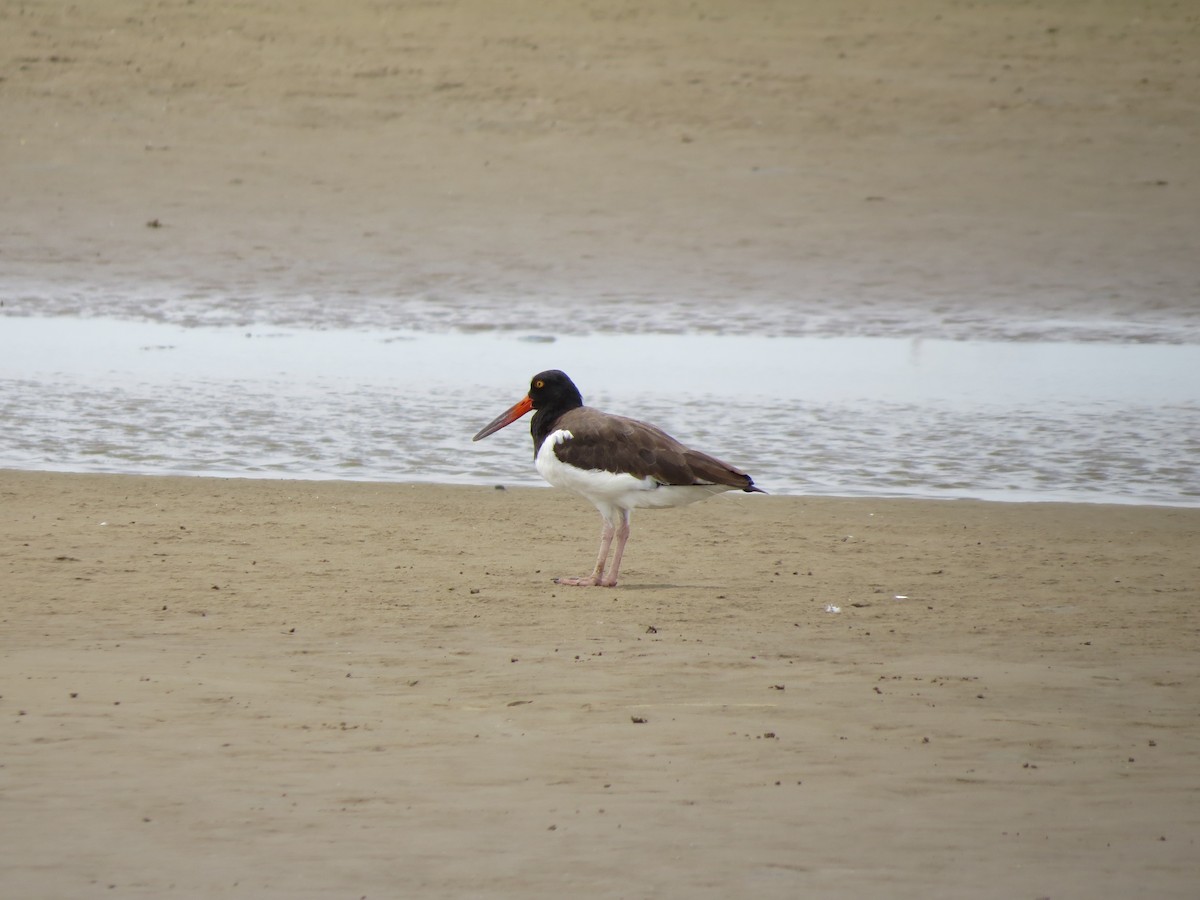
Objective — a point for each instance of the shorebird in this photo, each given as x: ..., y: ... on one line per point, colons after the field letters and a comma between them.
x: 618, y: 464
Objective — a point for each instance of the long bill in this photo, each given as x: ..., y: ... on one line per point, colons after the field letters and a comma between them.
x: 505, y: 418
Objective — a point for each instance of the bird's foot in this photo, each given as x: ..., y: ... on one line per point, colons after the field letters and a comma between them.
x: 590, y: 581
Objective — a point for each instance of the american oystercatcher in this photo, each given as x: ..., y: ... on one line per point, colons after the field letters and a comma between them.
x: 617, y: 463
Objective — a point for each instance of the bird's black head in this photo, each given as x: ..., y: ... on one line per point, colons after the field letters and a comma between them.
x: 551, y: 393
x: 553, y: 390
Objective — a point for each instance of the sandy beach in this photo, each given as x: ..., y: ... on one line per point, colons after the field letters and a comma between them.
x: 287, y: 688
x: 303, y: 689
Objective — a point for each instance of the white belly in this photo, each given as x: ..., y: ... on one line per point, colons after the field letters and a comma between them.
x: 613, y: 490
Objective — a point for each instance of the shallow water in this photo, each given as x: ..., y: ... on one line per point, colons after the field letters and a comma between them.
x: 1029, y: 420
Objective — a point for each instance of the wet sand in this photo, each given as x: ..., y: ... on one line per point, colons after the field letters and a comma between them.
x: 925, y: 168
x: 299, y: 689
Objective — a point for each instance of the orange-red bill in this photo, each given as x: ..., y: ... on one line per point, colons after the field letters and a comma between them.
x: 505, y: 418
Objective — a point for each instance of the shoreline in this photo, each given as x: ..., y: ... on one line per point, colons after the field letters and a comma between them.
x: 222, y: 686
x: 830, y: 417
x: 534, y: 483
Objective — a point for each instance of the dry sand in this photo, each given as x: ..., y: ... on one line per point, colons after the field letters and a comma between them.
x: 300, y: 689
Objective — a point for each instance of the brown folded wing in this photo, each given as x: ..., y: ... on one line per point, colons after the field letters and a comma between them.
x: 617, y: 444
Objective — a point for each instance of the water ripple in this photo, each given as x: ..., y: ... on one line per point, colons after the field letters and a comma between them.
x: 858, y: 416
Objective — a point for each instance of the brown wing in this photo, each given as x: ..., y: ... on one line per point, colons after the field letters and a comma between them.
x: 617, y: 444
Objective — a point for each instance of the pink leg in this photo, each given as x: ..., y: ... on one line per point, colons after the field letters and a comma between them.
x: 622, y: 537
x: 597, y: 576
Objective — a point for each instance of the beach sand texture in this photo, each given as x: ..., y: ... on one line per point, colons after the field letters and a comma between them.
x: 869, y: 161
x: 315, y: 689
x: 273, y: 688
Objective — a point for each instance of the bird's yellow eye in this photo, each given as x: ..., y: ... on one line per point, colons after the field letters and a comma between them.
x: 539, y: 384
